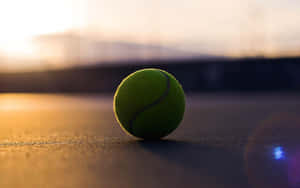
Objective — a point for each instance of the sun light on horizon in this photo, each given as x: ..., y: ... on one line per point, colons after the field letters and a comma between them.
x: 220, y: 28
x: 21, y: 21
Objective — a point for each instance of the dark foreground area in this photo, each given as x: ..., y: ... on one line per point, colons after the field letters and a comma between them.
x: 224, y: 141
x: 196, y: 75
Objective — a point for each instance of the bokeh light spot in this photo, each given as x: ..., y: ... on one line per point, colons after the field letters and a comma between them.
x: 278, y: 153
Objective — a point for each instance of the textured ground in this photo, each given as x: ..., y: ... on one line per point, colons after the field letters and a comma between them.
x: 74, y: 141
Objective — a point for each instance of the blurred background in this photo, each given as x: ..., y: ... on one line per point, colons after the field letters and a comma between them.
x: 90, y: 45
x: 237, y: 60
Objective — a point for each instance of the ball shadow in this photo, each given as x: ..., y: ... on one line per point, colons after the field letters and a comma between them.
x: 199, y: 160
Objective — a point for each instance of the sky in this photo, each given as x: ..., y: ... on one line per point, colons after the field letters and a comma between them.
x: 227, y: 27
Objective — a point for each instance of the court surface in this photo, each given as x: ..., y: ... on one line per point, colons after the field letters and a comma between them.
x: 50, y: 140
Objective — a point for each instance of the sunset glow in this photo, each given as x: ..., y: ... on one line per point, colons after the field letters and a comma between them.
x: 47, y: 32
x: 23, y: 20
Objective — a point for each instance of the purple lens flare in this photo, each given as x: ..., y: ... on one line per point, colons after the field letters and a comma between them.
x: 278, y: 153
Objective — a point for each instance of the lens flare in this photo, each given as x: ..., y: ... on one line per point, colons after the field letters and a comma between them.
x: 270, y: 154
x: 278, y: 153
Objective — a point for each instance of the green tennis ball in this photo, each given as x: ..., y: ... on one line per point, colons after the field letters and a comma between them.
x: 149, y: 104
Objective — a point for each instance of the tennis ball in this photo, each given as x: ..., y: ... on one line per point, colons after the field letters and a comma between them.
x: 149, y: 104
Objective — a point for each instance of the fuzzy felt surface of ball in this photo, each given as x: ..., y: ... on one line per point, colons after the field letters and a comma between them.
x: 149, y: 104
